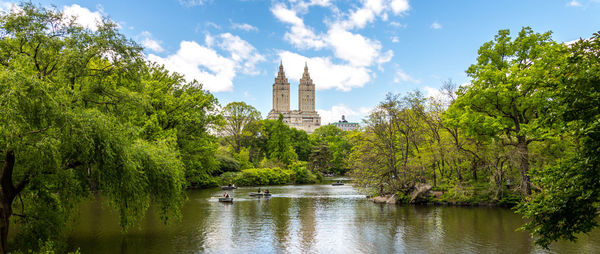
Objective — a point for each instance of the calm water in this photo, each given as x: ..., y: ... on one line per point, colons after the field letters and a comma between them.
x: 312, y: 219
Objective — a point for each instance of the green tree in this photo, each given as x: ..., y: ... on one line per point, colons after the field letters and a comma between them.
x: 79, y: 116
x: 570, y: 191
x: 338, y: 144
x: 506, y: 95
x: 320, y: 158
x: 182, y: 112
x: 300, y: 143
x: 279, y: 145
x: 238, y: 115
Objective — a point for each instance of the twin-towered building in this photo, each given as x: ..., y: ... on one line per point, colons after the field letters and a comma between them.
x: 306, y: 117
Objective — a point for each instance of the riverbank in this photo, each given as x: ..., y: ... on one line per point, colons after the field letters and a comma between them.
x: 424, y: 194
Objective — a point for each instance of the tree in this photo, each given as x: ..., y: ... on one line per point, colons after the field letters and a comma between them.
x: 506, y: 95
x: 238, y: 115
x: 570, y: 191
x: 338, y: 144
x: 279, y: 145
x: 78, y: 117
x: 320, y: 158
x: 300, y: 143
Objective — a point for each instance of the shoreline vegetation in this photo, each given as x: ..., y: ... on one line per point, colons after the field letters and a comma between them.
x: 84, y: 114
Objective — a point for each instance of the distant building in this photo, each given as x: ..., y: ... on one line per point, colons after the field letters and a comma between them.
x: 305, y: 118
x: 345, y: 125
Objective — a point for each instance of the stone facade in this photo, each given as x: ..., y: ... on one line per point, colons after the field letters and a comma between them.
x: 305, y: 118
x: 345, y: 125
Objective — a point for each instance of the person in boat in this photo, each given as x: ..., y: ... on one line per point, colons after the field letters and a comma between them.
x: 258, y: 190
x: 233, y: 185
x: 226, y: 195
x: 267, y: 191
x: 229, y: 185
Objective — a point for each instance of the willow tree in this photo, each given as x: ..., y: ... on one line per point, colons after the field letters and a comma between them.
x: 70, y: 99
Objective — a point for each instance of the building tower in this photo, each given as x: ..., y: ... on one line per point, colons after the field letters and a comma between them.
x: 306, y: 92
x: 281, y: 92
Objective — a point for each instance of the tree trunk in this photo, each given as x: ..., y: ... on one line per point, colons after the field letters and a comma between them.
x: 524, y: 165
x: 434, y: 175
x: 7, y: 195
x: 5, y: 213
x: 474, y: 170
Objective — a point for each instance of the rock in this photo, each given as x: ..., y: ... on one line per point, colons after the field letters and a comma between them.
x: 420, y: 193
x: 387, y: 199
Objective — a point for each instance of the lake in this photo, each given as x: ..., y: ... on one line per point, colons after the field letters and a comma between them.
x: 312, y: 219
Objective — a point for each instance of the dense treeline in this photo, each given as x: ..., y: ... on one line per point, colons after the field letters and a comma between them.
x: 524, y: 130
x: 82, y: 114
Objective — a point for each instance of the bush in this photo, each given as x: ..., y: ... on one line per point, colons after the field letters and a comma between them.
x: 402, y: 198
x: 227, y: 164
x: 301, y: 175
x: 263, y: 176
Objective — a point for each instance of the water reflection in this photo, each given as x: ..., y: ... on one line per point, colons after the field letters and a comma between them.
x: 312, y: 219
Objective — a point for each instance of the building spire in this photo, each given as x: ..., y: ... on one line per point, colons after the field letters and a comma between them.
x: 305, y: 75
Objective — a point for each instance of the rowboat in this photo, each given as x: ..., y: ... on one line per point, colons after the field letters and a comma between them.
x: 256, y: 194
x: 230, y: 200
x: 337, y: 184
x: 228, y: 187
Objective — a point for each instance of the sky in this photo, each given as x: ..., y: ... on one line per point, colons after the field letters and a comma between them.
x: 356, y: 51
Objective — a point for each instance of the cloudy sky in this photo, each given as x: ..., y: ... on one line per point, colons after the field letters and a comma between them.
x: 356, y: 51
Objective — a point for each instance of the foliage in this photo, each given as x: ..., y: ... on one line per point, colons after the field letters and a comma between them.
x: 227, y: 164
x: 570, y: 192
x: 263, y: 176
x: 237, y: 116
x: 279, y: 144
x: 320, y: 158
x: 506, y: 94
x: 300, y: 143
x: 302, y: 175
x: 81, y: 114
x: 339, y: 145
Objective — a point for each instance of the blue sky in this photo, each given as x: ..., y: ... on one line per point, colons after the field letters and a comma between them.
x: 356, y: 51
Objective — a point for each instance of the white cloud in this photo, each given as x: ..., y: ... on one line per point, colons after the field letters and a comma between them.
x: 299, y: 35
x: 398, y: 24
x: 325, y: 74
x: 8, y: 7
x: 433, y: 92
x: 395, y: 39
x: 335, y: 113
x: 241, y: 52
x: 83, y: 16
x: 400, y: 6
x: 204, y: 64
x: 190, y: 3
x: 245, y: 27
x: 286, y: 15
x: 354, y: 48
x: 149, y: 42
x: 436, y: 25
x: 574, y: 3
x: 402, y: 77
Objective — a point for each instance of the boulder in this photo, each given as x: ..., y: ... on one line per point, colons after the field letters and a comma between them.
x: 387, y: 199
x: 420, y: 193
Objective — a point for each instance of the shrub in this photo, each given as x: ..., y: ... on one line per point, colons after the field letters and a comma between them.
x: 227, y: 164
x: 263, y: 176
x: 301, y: 174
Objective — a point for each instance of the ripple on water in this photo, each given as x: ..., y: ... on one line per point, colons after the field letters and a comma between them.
x: 312, y: 219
